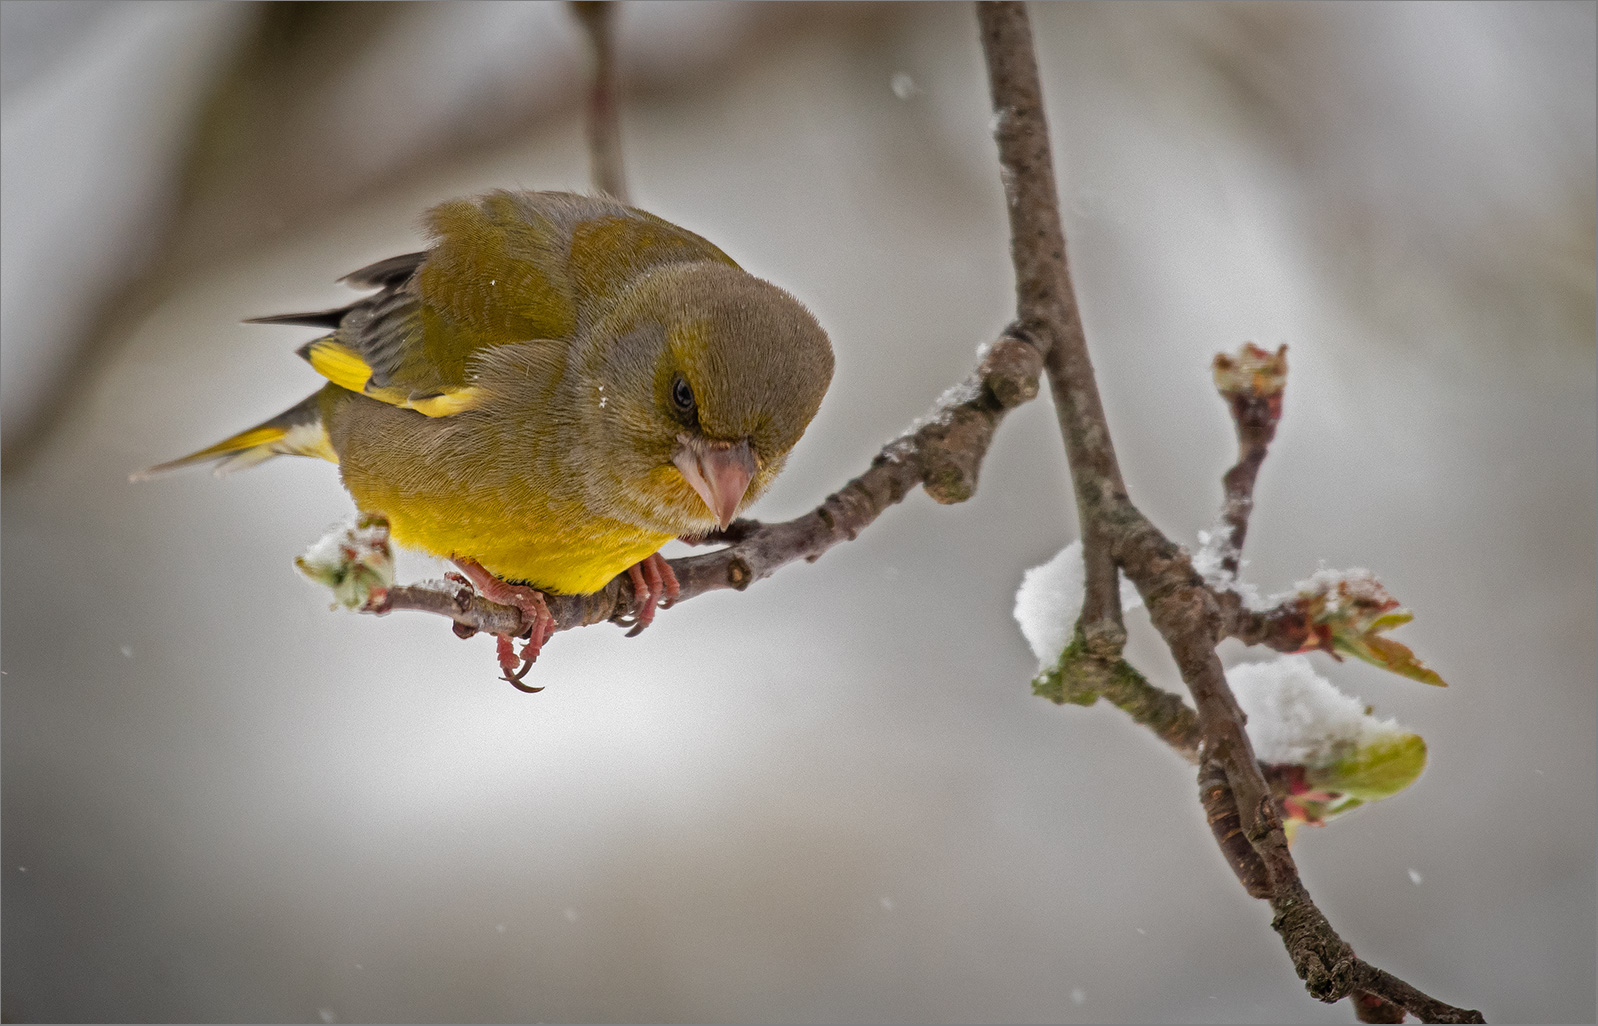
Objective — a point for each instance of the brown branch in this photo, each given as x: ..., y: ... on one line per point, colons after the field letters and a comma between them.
x: 1384, y: 986
x: 1283, y: 628
x: 1082, y: 678
x: 602, y: 121
x: 1113, y: 530
x: 1186, y: 614
x: 1155, y: 708
x: 1370, y: 1007
x: 1183, y: 610
x: 1226, y: 823
x: 1049, y: 311
x: 942, y: 455
x: 1046, y: 307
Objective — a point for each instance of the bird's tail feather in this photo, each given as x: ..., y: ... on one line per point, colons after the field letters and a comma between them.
x: 297, y: 431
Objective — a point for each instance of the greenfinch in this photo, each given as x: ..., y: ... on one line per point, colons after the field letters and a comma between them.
x: 552, y: 390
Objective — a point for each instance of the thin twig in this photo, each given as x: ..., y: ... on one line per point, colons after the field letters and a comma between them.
x: 1082, y: 678
x: 603, y: 120
x: 1255, y: 403
x: 1252, y: 384
x: 1155, y: 708
x: 1046, y: 307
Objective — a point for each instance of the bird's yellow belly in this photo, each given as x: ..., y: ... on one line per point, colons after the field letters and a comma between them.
x: 545, y: 552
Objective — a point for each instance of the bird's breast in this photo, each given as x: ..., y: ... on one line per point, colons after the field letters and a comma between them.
x: 444, y: 494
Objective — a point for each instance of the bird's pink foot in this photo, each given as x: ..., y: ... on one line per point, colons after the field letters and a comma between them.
x: 535, y: 613
x: 653, y: 581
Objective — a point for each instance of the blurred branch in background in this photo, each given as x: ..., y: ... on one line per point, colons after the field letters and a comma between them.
x: 144, y: 139
x: 100, y: 103
x: 603, y: 123
x: 1410, y: 189
x: 240, y: 123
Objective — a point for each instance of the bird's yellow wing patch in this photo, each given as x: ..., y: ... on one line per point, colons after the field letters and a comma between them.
x: 338, y: 363
x: 444, y: 404
x: 345, y: 368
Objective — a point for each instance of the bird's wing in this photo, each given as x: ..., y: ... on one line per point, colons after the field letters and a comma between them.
x: 503, y: 269
x: 396, y: 345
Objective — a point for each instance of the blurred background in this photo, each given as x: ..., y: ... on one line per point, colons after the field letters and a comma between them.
x: 833, y: 797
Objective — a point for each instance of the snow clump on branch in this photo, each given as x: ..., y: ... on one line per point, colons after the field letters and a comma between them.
x: 1049, y: 602
x: 1327, y: 754
x: 1298, y: 717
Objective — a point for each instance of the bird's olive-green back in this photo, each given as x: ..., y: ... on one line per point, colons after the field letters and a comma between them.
x: 504, y: 268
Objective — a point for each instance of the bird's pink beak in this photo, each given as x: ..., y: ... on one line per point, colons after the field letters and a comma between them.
x: 719, y: 471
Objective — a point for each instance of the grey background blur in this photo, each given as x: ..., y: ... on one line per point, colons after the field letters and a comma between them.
x: 831, y: 797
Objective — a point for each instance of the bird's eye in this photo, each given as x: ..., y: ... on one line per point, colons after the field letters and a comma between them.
x: 682, y: 396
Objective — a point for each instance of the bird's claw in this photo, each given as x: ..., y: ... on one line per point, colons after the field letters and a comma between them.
x: 508, y: 660
x: 654, y: 586
x: 535, y: 613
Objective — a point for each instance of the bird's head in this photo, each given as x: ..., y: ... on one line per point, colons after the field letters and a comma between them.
x: 700, y: 380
